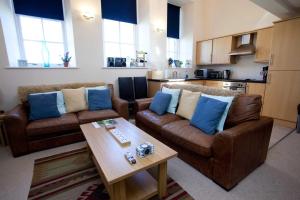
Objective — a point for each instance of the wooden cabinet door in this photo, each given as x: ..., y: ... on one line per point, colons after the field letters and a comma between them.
x: 153, y: 87
x: 216, y: 84
x: 286, y: 46
x: 196, y: 82
x: 221, y: 49
x: 282, y: 95
x: 263, y: 45
x: 256, y: 88
x: 204, y: 52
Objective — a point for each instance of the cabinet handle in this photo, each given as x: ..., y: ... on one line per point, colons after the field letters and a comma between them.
x: 269, y: 78
x: 271, y: 59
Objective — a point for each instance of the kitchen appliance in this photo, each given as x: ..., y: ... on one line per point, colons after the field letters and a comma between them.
x: 214, y: 75
x: 237, y: 86
x: 244, y: 45
x: 202, y: 73
x: 226, y: 74
x: 264, y: 73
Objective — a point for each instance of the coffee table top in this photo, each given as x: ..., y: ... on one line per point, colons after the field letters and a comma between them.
x: 109, y: 153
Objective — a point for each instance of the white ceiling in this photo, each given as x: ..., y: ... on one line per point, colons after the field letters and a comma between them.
x: 281, y: 8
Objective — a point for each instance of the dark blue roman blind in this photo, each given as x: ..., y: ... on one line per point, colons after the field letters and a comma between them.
x: 51, y: 9
x: 173, y: 21
x: 119, y: 10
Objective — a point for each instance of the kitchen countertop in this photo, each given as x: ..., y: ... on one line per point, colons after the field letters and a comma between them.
x: 209, y: 79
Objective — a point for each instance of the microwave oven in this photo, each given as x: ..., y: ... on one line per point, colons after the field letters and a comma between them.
x: 202, y: 73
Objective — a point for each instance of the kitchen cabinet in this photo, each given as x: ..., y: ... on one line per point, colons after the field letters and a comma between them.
x: 282, y: 95
x: 263, y: 45
x: 256, y: 88
x: 286, y: 45
x: 153, y: 87
x: 216, y: 84
x: 197, y: 82
x: 204, y: 52
x: 221, y: 49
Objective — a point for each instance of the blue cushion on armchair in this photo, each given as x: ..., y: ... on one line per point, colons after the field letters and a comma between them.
x: 160, y: 103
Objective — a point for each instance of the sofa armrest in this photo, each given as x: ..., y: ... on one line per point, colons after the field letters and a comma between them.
x: 239, y: 150
x: 121, y: 106
x: 15, y: 122
x: 142, y: 104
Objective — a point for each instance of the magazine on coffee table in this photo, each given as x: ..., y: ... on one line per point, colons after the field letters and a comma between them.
x: 108, y: 123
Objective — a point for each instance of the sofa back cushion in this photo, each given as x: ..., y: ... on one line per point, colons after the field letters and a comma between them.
x: 207, y: 114
x: 24, y: 91
x: 187, y: 104
x: 174, y: 100
x: 75, y: 99
x: 244, y: 108
x: 160, y: 103
x: 202, y: 89
x: 43, y: 106
x: 99, y: 99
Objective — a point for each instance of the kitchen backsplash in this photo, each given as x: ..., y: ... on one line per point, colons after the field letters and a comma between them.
x: 245, y: 68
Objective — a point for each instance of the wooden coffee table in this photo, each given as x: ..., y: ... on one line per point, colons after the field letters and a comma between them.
x: 121, y: 179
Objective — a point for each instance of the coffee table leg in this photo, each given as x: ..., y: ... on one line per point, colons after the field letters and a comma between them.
x: 118, y: 191
x: 162, y: 179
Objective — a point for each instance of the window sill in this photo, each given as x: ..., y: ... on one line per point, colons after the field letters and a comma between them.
x: 58, y: 67
x: 125, y: 67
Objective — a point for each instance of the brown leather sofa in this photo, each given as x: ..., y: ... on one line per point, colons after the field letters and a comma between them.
x: 28, y: 136
x: 226, y: 157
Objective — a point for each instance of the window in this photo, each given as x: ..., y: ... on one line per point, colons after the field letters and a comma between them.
x: 173, y: 32
x: 41, y: 40
x: 119, y: 39
x: 173, y: 48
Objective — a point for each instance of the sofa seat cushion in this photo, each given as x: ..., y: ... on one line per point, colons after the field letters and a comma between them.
x: 65, y: 122
x: 155, y: 121
x: 87, y: 116
x: 183, y: 134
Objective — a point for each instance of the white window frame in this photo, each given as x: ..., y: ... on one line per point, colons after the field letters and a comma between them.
x: 177, y: 49
x: 118, y: 43
x: 21, y: 40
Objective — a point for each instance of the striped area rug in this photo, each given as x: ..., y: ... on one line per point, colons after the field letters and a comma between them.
x: 72, y: 175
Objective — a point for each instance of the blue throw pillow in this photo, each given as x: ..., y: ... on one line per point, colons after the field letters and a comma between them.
x: 208, y: 114
x: 229, y: 100
x: 160, y: 103
x: 99, y: 99
x: 43, y: 106
x: 60, y: 100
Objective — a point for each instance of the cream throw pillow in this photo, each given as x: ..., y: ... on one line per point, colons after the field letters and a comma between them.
x: 187, y: 104
x: 74, y: 99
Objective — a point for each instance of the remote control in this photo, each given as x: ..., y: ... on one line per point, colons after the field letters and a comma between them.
x: 122, y: 139
x: 129, y: 157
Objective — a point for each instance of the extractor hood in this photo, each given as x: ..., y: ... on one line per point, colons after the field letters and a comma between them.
x: 244, y: 45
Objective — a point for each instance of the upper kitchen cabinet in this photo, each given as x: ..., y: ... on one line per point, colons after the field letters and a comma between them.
x: 204, y: 52
x: 221, y: 49
x: 286, y: 45
x: 214, y: 51
x: 263, y: 45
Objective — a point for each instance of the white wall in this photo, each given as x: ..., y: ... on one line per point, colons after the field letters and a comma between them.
x: 89, y: 59
x: 202, y: 19
x: 225, y: 17
x: 220, y: 18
